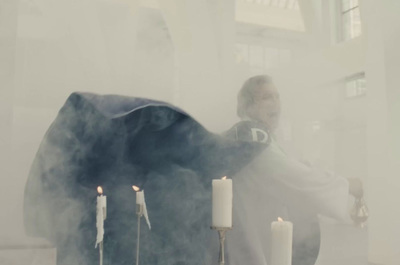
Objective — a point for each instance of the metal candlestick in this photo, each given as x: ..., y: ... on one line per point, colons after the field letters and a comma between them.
x: 221, y: 233
x: 139, y: 213
x: 101, y: 252
x: 101, y: 244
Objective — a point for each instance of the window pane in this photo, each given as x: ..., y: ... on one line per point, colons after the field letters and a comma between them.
x: 356, y: 87
x: 360, y: 91
x: 346, y: 26
x: 351, y: 24
x: 355, y: 23
x: 361, y: 82
x: 351, y: 89
x: 345, y: 5
x: 348, y: 4
x: 361, y: 87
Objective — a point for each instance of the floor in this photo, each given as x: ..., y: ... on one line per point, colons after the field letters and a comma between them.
x: 26, y: 251
x: 341, y: 244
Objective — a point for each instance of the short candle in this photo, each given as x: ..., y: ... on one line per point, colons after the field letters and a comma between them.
x: 139, y: 195
x: 281, y: 242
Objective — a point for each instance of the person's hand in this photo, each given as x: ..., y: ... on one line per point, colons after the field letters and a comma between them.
x: 355, y: 187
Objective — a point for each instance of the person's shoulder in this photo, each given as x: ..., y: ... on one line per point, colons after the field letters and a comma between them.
x: 251, y: 131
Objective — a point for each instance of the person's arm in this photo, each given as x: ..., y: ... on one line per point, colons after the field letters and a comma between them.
x: 295, y: 183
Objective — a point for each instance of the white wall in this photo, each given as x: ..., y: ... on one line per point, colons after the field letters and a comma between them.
x: 383, y: 67
x: 8, y: 197
x: 181, y: 54
x: 55, y: 48
x: 108, y: 47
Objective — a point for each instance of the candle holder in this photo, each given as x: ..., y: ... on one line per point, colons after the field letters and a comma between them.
x: 139, y: 213
x: 101, y: 245
x: 101, y: 252
x: 221, y: 233
x: 359, y: 213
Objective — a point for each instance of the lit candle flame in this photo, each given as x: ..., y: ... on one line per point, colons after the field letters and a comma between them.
x: 280, y: 219
x: 100, y: 190
x: 135, y: 188
x: 224, y: 177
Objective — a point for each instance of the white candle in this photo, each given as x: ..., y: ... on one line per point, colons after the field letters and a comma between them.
x: 104, y: 205
x: 222, y: 202
x: 281, y: 242
x: 141, y: 201
x: 139, y: 195
x: 103, y: 201
x: 101, y: 205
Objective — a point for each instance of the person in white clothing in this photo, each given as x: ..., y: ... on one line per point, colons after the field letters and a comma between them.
x: 275, y: 185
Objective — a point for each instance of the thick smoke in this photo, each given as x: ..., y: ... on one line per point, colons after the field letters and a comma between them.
x: 107, y: 141
x: 115, y: 47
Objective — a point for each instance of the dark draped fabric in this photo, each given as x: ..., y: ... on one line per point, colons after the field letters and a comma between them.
x: 116, y: 142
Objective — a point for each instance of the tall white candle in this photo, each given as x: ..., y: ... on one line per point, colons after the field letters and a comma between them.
x: 101, y: 205
x: 103, y: 200
x: 281, y: 242
x: 222, y: 202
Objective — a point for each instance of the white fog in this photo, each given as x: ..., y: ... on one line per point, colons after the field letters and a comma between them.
x: 335, y: 64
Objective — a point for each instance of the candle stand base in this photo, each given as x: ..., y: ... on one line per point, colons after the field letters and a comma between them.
x: 221, y: 233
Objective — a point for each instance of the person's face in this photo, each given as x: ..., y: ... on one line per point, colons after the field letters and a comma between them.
x: 267, y: 106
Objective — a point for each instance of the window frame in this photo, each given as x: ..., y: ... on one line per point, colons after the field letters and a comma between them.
x: 340, y: 20
x: 354, y: 78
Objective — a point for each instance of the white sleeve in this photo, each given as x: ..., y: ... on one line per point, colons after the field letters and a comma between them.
x: 294, y: 182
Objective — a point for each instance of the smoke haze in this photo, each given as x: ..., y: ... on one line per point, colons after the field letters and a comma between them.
x: 194, y: 55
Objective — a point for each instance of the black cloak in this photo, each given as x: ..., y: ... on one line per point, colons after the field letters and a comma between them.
x: 116, y: 142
